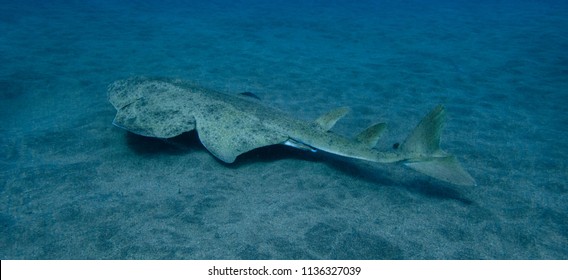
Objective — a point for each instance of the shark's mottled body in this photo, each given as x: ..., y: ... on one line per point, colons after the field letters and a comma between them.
x: 230, y: 125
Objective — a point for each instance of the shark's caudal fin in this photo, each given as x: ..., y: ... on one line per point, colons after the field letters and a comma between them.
x: 423, y: 153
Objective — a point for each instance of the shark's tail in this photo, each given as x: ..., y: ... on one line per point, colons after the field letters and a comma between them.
x: 423, y: 153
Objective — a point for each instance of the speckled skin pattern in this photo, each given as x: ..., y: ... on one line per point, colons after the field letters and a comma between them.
x: 231, y: 125
x: 227, y: 125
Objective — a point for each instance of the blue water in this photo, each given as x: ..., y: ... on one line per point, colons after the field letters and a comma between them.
x: 72, y: 186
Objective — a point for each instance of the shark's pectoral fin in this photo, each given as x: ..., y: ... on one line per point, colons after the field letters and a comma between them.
x: 227, y: 134
x: 328, y: 120
x: 371, y: 135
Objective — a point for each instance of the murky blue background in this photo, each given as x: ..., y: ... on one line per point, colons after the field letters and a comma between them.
x: 72, y: 186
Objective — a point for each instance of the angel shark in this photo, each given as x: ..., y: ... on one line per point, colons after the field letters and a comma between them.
x: 231, y: 125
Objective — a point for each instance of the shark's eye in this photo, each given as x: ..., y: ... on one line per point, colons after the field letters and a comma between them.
x: 395, y: 145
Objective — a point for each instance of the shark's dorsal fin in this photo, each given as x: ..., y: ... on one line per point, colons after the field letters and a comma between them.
x: 328, y: 120
x: 371, y: 135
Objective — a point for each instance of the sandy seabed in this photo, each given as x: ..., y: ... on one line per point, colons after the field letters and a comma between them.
x: 72, y: 186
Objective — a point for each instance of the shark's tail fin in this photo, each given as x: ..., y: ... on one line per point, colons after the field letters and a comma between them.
x: 423, y: 153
